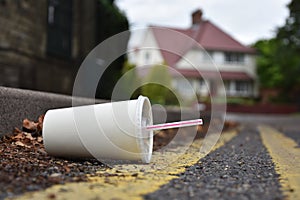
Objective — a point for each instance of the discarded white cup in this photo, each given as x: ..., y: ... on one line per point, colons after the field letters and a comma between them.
x: 115, y: 131
x: 104, y: 131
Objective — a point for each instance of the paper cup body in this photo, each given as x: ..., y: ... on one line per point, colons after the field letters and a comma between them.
x: 104, y: 131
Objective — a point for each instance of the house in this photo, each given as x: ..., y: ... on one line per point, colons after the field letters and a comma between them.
x: 200, y: 54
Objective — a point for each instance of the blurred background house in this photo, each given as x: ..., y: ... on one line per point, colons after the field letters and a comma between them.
x: 42, y: 43
x: 235, y: 62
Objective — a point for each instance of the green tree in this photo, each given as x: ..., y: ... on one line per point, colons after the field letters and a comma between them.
x: 278, y: 63
x: 289, y: 34
x: 268, y: 68
x: 288, y: 51
x: 158, y: 87
x: 110, y: 21
x: 130, y: 82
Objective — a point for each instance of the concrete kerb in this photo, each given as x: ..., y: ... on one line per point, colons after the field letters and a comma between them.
x: 18, y: 104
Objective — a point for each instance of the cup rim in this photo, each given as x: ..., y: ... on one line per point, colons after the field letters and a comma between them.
x: 143, y: 119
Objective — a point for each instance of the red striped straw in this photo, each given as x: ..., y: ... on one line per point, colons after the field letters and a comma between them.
x: 193, y: 122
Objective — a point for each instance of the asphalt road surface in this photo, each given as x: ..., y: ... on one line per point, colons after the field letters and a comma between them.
x: 242, y: 169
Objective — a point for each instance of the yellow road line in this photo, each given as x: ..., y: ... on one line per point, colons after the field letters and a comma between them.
x: 286, y: 157
x: 133, y: 181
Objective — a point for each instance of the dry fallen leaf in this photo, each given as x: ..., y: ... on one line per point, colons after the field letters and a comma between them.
x: 18, y: 136
x: 28, y: 136
x: 40, y: 139
x: 29, y: 125
x: 18, y: 143
x: 67, y: 169
x: 40, y: 123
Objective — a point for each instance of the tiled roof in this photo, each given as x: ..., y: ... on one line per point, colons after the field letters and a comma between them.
x: 211, y: 37
x: 174, y: 42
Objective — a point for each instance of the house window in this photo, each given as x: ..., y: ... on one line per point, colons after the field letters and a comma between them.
x: 227, y: 86
x: 51, y: 9
x: 231, y: 57
x: 238, y: 88
x: 147, y: 57
x: 59, y: 35
x: 202, y: 83
x: 243, y: 87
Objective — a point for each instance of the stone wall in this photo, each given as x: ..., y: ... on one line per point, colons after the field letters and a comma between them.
x: 23, y: 26
x: 24, y: 61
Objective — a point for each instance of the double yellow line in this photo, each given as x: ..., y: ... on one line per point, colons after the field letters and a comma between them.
x: 286, y: 156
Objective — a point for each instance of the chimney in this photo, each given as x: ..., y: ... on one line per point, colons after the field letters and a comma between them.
x: 197, y: 17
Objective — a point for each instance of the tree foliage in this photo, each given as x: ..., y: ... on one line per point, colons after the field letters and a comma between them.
x: 268, y: 68
x: 130, y: 82
x: 288, y: 50
x: 158, y: 87
x: 110, y: 21
x: 279, y: 58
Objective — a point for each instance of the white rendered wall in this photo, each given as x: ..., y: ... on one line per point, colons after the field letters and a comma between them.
x: 148, y: 46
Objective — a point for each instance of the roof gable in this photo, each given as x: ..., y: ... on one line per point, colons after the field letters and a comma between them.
x: 173, y: 43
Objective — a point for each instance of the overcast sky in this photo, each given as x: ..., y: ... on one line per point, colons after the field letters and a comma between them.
x: 246, y: 21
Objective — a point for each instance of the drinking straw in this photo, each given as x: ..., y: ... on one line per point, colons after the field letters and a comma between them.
x: 179, y: 124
